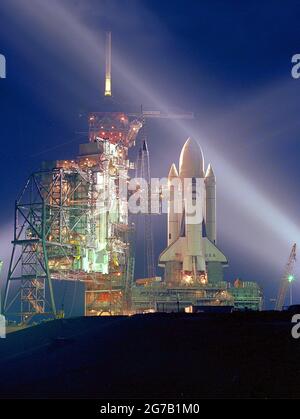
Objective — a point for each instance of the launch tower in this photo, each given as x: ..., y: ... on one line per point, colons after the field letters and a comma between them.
x: 71, y: 222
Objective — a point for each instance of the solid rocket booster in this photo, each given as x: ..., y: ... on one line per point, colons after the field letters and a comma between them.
x: 173, y: 215
x: 210, y: 186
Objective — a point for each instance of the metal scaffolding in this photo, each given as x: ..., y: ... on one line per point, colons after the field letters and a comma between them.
x: 71, y: 223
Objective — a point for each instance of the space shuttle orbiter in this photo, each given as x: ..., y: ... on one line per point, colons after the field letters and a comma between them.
x: 191, y: 236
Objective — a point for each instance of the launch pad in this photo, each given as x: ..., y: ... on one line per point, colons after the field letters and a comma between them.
x: 72, y: 224
x: 159, y: 297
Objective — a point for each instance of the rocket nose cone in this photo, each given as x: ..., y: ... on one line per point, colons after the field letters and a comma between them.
x: 173, y: 172
x: 210, y: 178
x: 191, y: 162
x: 209, y: 172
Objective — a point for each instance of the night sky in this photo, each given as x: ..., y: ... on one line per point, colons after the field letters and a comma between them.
x: 227, y: 61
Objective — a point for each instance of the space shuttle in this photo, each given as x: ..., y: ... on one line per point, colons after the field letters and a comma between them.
x: 191, y: 220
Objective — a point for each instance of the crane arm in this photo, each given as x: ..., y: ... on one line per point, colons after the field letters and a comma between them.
x: 284, y: 285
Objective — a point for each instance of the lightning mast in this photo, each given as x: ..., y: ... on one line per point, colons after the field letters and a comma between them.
x: 107, y: 91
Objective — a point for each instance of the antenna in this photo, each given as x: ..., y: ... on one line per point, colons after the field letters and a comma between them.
x: 107, y: 91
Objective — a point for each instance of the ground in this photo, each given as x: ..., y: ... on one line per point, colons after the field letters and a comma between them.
x: 153, y: 356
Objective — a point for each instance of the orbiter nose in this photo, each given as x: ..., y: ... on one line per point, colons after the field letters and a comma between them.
x: 191, y: 162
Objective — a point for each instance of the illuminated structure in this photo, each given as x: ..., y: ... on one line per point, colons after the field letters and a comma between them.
x: 247, y: 295
x: 71, y: 223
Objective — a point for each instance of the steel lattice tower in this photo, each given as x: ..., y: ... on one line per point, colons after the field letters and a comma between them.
x: 143, y: 171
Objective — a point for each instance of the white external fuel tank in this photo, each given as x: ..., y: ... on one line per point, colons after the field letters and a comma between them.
x: 191, y: 172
